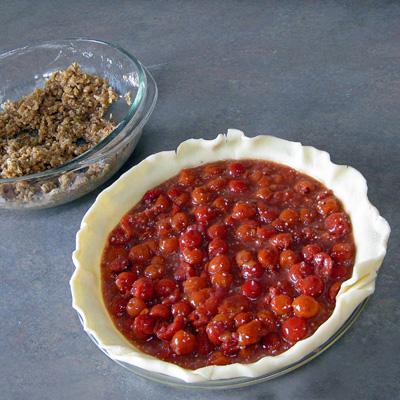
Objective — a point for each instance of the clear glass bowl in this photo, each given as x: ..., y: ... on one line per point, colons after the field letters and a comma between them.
x: 23, y: 70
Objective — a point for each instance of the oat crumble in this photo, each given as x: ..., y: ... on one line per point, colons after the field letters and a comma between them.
x: 55, y: 124
x: 128, y: 98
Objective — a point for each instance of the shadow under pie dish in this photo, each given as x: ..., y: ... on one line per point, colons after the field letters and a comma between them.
x: 252, y: 320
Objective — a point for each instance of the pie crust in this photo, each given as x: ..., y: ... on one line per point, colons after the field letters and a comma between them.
x: 370, y: 230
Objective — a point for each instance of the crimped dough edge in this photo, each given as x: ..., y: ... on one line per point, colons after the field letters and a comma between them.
x: 371, y: 233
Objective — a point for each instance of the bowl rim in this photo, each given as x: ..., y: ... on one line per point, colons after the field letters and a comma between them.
x: 94, y: 153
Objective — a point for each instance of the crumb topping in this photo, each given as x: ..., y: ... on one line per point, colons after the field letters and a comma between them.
x: 55, y: 124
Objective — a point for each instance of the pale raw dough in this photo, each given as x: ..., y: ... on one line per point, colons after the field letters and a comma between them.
x: 371, y: 233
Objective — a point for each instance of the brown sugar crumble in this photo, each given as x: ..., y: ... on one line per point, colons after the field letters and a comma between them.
x: 128, y: 98
x: 55, y: 124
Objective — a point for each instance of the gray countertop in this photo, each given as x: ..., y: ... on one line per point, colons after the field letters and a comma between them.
x: 323, y: 73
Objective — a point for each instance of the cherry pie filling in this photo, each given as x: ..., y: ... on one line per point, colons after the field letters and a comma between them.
x: 227, y: 263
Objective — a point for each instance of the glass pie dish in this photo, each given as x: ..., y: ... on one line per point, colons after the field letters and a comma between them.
x: 370, y: 233
x: 22, y: 70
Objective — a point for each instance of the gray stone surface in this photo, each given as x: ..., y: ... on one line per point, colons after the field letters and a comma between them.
x: 322, y: 73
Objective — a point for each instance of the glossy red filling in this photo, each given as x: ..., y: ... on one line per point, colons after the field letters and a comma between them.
x: 227, y: 262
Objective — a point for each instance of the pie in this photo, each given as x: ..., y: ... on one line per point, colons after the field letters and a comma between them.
x: 229, y: 258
